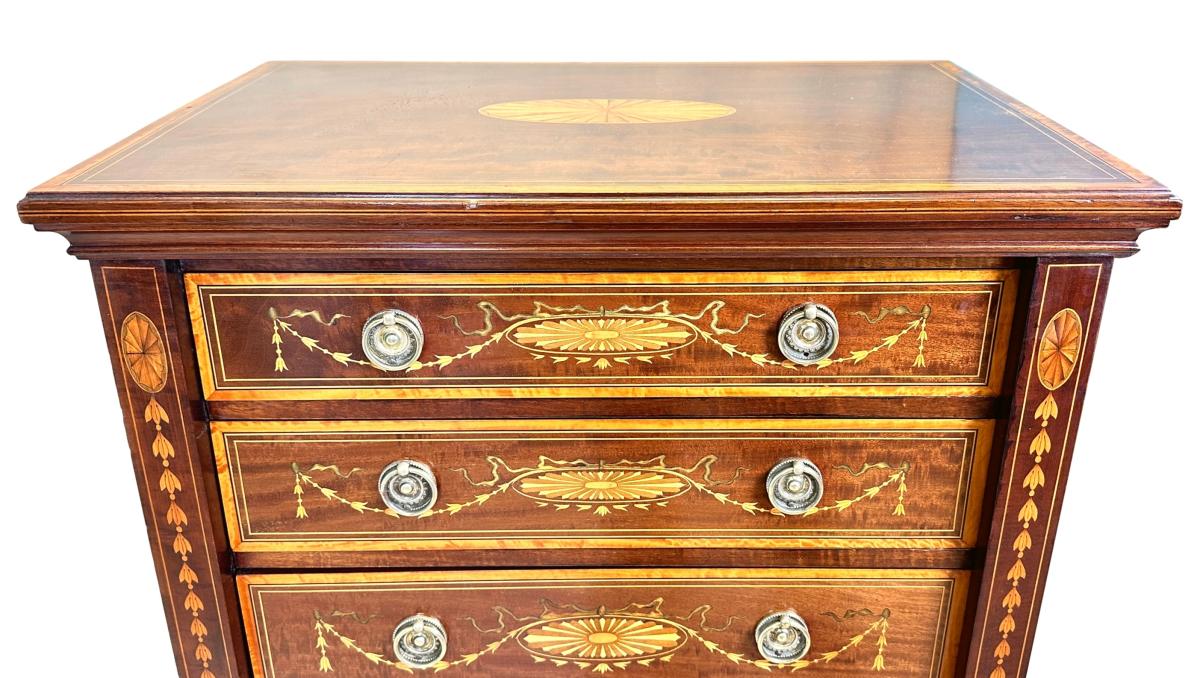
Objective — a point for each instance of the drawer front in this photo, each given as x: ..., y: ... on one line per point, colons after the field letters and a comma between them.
x: 640, y: 623
x: 300, y: 336
x: 300, y: 486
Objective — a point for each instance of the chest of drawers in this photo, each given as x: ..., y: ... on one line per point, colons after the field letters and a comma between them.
x: 458, y: 368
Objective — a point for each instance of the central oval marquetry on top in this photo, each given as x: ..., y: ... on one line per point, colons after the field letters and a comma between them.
x: 607, y: 111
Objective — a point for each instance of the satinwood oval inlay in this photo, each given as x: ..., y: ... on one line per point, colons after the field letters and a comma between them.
x: 598, y: 335
x: 1059, y: 349
x: 607, y: 111
x: 143, y: 351
x: 604, y: 637
x: 599, y: 484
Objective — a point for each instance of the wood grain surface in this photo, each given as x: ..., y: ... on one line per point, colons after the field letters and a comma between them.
x: 296, y: 337
x: 1068, y: 301
x: 172, y: 462
x: 390, y: 159
x: 700, y: 622
x: 599, y: 256
x: 406, y: 128
x: 297, y: 487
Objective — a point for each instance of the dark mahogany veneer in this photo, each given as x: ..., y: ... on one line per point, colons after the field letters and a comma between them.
x: 239, y: 244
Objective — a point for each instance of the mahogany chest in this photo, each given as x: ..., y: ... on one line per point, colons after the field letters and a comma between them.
x: 560, y: 369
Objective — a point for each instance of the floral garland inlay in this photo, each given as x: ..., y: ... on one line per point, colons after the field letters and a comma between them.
x: 602, y: 640
x: 602, y: 488
x: 1058, y: 351
x: 145, y: 359
x: 602, y: 338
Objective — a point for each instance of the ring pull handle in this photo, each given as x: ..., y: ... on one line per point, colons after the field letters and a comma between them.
x: 392, y: 339
x: 808, y: 333
x: 408, y: 487
x: 419, y: 641
x: 795, y: 485
x: 782, y: 637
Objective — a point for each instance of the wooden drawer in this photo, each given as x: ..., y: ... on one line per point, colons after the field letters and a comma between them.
x: 296, y: 486
x: 299, y: 336
x: 639, y: 622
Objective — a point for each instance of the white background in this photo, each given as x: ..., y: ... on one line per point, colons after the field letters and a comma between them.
x: 78, y: 592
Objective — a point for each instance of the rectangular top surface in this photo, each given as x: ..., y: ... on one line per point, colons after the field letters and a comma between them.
x: 455, y: 129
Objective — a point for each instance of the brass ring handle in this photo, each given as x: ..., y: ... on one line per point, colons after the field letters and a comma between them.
x: 419, y: 641
x: 808, y: 333
x: 782, y: 637
x: 392, y: 339
x: 795, y: 485
x: 408, y: 487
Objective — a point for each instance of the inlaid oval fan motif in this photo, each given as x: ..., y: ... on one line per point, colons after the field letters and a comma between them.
x: 1059, y: 350
x: 606, y: 111
x: 604, y: 637
x: 605, y: 335
x: 592, y: 485
x: 144, y: 354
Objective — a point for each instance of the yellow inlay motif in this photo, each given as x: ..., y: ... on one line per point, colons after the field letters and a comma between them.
x: 145, y: 359
x: 602, y: 638
x: 605, y: 488
x: 602, y: 485
x: 604, y: 335
x: 1059, y: 349
x: 1061, y: 345
x: 606, y: 111
x: 606, y: 338
x: 144, y: 354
